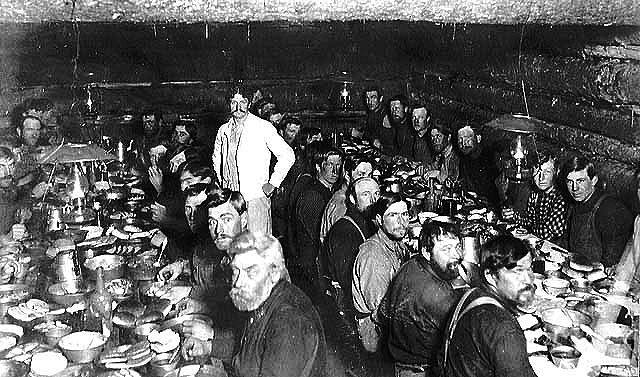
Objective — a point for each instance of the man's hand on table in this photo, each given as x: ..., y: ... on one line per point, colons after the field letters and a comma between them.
x: 197, y: 329
x: 190, y: 305
x: 193, y: 347
x: 156, y: 178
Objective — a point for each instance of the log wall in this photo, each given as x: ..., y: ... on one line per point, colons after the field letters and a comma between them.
x: 582, y: 80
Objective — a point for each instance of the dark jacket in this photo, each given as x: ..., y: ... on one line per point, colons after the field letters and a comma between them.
x: 306, y: 224
x: 478, y: 173
x: 283, y: 337
x: 415, y: 311
x: 488, y: 342
x: 599, y: 234
x: 341, y: 247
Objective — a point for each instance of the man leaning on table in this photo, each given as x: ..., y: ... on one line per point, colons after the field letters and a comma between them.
x: 283, y: 335
x: 483, y: 337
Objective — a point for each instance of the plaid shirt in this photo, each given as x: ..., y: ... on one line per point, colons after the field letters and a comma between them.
x: 546, y: 214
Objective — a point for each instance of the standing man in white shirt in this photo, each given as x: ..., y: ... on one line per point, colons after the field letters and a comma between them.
x: 241, y: 156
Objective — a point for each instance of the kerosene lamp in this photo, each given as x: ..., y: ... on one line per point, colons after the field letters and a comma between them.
x: 520, y: 131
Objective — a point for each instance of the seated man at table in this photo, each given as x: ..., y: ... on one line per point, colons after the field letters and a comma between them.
x: 340, y: 248
x: 378, y: 260
x: 355, y: 166
x: 208, y: 265
x: 420, y: 300
x: 478, y: 170
x: 546, y: 211
x: 283, y: 335
x: 421, y: 146
x: 483, y: 337
x: 445, y: 166
x: 599, y: 225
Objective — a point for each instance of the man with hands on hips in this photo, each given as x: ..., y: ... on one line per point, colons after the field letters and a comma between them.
x: 283, y: 335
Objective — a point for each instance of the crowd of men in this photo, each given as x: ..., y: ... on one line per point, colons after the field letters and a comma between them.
x: 271, y: 221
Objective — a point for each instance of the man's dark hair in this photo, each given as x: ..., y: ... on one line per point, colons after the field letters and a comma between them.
x: 197, y: 168
x: 220, y: 196
x: 503, y: 251
x: 241, y: 89
x: 578, y: 163
x: 322, y: 153
x: 287, y: 120
x: 400, y: 97
x: 385, y: 201
x: 30, y: 117
x: 351, y: 162
x: 433, y: 231
x: 189, y: 125
x: 371, y: 88
x: 545, y: 155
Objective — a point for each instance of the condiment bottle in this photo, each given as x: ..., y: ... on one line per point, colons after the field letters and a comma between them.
x: 100, y: 305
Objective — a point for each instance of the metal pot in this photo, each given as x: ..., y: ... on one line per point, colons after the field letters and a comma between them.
x: 617, y: 340
x: 559, y: 324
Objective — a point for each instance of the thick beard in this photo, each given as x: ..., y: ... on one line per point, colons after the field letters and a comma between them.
x: 526, y: 296
x: 246, y: 302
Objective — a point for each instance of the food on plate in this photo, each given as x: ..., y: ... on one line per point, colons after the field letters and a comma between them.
x: 580, y: 267
x: 82, y: 340
x: 50, y: 325
x: 48, y: 363
x: 120, y: 373
x: 124, y: 319
x: 164, y: 341
x: 119, y: 287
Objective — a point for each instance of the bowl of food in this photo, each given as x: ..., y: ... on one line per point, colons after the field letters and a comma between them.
x: 613, y: 339
x: 82, y: 346
x: 120, y: 289
x: 12, y: 368
x: 559, y: 324
x: 555, y: 286
x: 112, y: 266
x: 67, y: 293
x: 580, y: 285
x: 565, y: 357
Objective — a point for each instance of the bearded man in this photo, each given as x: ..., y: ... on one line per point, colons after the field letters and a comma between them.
x: 283, y: 335
x: 483, y: 336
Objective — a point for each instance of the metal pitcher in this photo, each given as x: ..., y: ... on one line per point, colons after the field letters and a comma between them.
x: 67, y: 267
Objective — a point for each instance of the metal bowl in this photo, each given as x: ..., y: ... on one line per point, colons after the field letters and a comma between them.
x: 11, y: 368
x: 559, y: 324
x: 565, y: 357
x: 67, y: 293
x: 555, y: 286
x: 82, y: 346
x: 176, y: 323
x: 76, y: 235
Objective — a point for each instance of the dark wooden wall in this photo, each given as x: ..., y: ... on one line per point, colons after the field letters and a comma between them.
x: 583, y: 80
